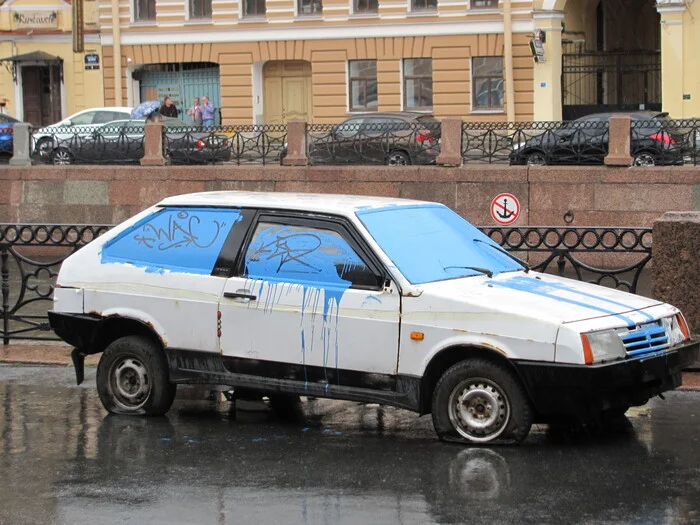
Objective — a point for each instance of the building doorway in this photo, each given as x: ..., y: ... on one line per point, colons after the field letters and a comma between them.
x: 41, y: 94
x: 287, y: 91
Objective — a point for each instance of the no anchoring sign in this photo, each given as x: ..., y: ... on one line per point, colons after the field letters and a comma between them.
x: 505, y: 209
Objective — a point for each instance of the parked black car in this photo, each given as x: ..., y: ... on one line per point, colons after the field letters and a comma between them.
x: 585, y: 141
x: 121, y: 141
x: 395, y: 139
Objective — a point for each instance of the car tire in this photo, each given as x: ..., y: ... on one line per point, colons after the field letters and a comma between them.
x: 61, y: 157
x: 644, y: 158
x: 536, y: 158
x: 133, y: 378
x: 398, y: 158
x: 477, y: 401
x: 44, y: 147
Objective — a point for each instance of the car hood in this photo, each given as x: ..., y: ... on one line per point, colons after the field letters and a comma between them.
x: 541, y: 296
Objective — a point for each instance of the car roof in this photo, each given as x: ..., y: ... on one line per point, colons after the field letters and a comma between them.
x: 314, y: 202
x: 404, y: 114
x: 107, y: 108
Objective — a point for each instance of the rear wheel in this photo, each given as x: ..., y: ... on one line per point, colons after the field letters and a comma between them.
x: 133, y: 378
x: 398, y: 158
x: 45, y: 146
x: 477, y: 401
x: 644, y: 159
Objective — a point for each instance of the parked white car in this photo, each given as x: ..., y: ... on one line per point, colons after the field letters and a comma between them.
x: 48, y: 138
x: 359, y: 298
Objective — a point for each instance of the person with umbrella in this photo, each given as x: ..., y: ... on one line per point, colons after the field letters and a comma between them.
x: 146, y: 109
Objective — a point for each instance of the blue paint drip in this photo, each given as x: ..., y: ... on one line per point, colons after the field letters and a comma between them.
x: 546, y: 289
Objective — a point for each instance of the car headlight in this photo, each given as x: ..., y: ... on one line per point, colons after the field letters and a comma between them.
x: 602, y: 346
x: 676, y: 329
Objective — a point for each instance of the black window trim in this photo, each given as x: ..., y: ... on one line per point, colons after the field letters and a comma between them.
x: 338, y: 224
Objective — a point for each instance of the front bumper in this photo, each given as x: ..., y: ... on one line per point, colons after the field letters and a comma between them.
x: 587, y: 390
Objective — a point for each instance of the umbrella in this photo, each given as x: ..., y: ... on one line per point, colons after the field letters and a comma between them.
x: 144, y: 109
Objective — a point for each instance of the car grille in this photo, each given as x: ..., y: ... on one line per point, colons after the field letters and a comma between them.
x: 645, y: 338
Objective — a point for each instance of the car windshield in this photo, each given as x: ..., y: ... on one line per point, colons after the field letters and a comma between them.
x: 430, y: 242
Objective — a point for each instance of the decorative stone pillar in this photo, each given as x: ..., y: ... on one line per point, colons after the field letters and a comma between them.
x: 21, y: 145
x: 674, y: 276
x: 296, y: 143
x: 619, y: 141
x: 153, y: 144
x: 547, y: 74
x: 450, y: 142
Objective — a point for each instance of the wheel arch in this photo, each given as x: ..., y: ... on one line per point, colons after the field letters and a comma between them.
x: 452, y: 355
x: 401, y: 149
x: 116, y: 326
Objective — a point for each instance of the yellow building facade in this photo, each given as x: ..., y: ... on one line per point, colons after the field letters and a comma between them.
x: 41, y: 79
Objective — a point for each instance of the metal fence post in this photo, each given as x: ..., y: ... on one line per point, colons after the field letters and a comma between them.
x: 5, y: 273
x: 21, y: 145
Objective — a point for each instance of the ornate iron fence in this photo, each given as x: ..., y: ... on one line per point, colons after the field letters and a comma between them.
x: 377, y: 140
x: 239, y: 144
x: 28, y: 279
x: 535, y: 143
x: 28, y: 276
x: 113, y: 143
x: 564, y: 247
x: 665, y: 142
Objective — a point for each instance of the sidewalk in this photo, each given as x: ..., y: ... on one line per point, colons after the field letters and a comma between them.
x: 55, y: 354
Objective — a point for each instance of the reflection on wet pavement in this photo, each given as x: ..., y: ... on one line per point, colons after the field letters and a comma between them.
x: 63, y: 460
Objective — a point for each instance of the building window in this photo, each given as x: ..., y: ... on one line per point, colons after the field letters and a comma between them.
x: 365, y: 6
x: 200, y: 8
x: 487, y: 83
x: 483, y: 4
x: 310, y: 7
x: 363, y: 85
x: 423, y: 5
x: 418, y: 83
x: 144, y: 10
x: 253, y: 7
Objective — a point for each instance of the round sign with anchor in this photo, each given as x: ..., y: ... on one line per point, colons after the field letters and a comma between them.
x: 505, y: 209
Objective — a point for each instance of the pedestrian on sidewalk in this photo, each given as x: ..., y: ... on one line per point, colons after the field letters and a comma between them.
x: 168, y: 109
x: 207, y: 112
x: 195, y: 112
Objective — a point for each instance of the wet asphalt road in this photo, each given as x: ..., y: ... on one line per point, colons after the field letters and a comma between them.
x: 63, y: 460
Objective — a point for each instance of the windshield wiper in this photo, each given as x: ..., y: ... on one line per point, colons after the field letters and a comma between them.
x: 504, y: 252
x: 486, y: 271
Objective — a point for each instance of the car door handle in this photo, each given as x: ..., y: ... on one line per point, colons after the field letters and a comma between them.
x: 240, y: 294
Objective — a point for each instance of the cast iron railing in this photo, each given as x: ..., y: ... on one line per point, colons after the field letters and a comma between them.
x: 239, y: 144
x: 31, y: 254
x: 392, y: 143
x: 535, y: 143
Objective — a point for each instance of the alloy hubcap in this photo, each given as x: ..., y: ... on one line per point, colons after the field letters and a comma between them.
x: 61, y: 158
x: 479, y: 410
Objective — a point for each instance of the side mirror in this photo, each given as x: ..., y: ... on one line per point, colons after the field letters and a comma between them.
x: 67, y: 122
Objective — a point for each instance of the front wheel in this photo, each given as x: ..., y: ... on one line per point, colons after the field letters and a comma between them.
x: 61, y: 157
x: 133, y: 378
x: 477, y: 401
x: 536, y: 158
x: 44, y: 146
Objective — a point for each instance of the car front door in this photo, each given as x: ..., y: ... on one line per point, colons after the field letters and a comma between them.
x: 310, y: 304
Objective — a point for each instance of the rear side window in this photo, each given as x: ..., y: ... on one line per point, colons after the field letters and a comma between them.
x: 304, y: 254
x: 186, y: 240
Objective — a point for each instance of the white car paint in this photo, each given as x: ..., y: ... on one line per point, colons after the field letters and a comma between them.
x: 527, y: 316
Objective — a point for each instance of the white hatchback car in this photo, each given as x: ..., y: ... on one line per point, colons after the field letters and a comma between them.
x: 83, y: 123
x: 359, y: 298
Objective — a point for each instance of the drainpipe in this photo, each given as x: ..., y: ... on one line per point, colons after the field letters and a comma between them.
x: 117, y: 53
x: 508, y: 59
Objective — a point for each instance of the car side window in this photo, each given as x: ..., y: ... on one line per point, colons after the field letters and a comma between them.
x: 349, y: 128
x: 102, y: 117
x: 84, y: 118
x: 186, y: 240
x: 305, y: 255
